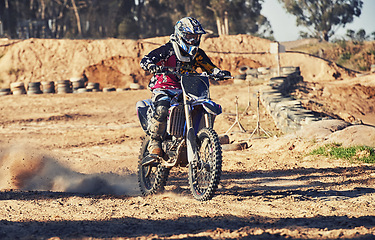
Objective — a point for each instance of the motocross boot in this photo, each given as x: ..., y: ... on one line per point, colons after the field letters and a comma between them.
x: 156, y: 131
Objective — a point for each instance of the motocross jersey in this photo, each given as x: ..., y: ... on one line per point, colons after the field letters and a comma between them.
x: 165, y: 56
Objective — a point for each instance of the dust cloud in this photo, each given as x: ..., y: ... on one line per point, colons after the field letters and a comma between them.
x: 23, y: 168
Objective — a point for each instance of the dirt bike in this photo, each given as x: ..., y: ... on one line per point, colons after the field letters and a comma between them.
x: 189, y: 141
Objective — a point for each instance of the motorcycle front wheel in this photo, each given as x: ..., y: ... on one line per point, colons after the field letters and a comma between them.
x: 204, y: 176
x: 152, y: 177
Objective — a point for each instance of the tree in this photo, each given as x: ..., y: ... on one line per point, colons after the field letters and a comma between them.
x: 246, y: 18
x: 322, y: 18
x: 127, y: 18
x: 350, y: 34
x: 358, y: 36
x: 361, y: 35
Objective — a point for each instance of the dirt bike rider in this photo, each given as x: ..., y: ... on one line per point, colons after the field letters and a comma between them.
x: 183, y: 53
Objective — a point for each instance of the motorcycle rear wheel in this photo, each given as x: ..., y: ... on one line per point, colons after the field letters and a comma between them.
x: 205, y: 176
x: 152, y: 177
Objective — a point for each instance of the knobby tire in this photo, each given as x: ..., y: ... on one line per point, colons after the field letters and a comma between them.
x: 205, y: 177
x: 151, y: 178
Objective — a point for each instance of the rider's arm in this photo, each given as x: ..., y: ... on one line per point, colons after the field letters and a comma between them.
x: 207, y: 66
x: 154, y: 57
x: 204, y: 62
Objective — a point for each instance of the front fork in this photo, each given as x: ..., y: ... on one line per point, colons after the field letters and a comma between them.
x: 208, y: 120
x: 191, y: 143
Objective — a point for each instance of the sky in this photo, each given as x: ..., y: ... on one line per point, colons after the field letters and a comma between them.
x: 284, y: 24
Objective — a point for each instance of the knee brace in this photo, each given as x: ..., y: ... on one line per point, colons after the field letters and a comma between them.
x: 161, y: 113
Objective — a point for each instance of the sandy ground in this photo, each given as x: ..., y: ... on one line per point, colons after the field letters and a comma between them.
x: 68, y: 161
x: 68, y: 171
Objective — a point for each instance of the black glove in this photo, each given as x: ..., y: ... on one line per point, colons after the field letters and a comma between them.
x: 221, y: 74
x: 153, y: 68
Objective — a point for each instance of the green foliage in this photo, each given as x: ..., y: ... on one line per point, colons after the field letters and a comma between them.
x: 321, y: 17
x: 357, y: 37
x: 341, y: 42
x: 346, y: 56
x: 358, y: 153
x: 363, y: 67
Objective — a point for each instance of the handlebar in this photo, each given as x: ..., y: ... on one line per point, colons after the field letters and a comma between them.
x: 172, y: 70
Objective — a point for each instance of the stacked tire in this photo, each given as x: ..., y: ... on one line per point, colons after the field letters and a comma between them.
x: 263, y: 72
x: 18, y: 88
x: 94, y: 87
x: 34, y: 88
x: 109, y: 89
x: 5, y: 91
x: 246, y: 73
x: 82, y: 90
x: 242, y: 75
x: 289, y: 70
x: 78, y: 85
x: 135, y: 86
x: 64, y: 86
x: 48, y: 87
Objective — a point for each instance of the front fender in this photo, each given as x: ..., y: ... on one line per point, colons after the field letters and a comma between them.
x: 143, y: 107
x: 212, y: 107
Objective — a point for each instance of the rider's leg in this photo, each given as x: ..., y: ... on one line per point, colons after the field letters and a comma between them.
x: 158, y: 123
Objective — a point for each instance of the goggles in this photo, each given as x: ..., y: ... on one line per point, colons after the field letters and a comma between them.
x: 192, y: 39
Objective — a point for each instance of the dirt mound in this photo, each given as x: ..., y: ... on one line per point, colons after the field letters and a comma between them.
x: 338, y: 131
x: 322, y: 129
x: 115, y: 62
x: 351, y: 100
x: 356, y: 135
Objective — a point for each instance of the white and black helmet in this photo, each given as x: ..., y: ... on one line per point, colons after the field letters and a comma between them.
x: 188, y: 32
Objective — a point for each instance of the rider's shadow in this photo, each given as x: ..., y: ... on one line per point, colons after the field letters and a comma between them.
x: 323, y: 184
x: 302, y: 183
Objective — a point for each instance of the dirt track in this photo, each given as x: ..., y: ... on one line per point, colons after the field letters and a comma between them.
x: 69, y: 163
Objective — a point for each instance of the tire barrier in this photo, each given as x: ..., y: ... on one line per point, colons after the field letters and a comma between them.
x: 48, y: 87
x: 287, y: 113
x: 109, y: 89
x: 122, y: 89
x: 263, y: 70
x: 82, y: 90
x: 5, y: 91
x: 34, y: 88
x: 64, y: 86
x: 94, y: 87
x: 18, y: 88
x: 290, y: 70
x: 246, y: 72
x: 78, y: 83
x: 135, y: 86
x: 74, y: 85
x: 240, y: 76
